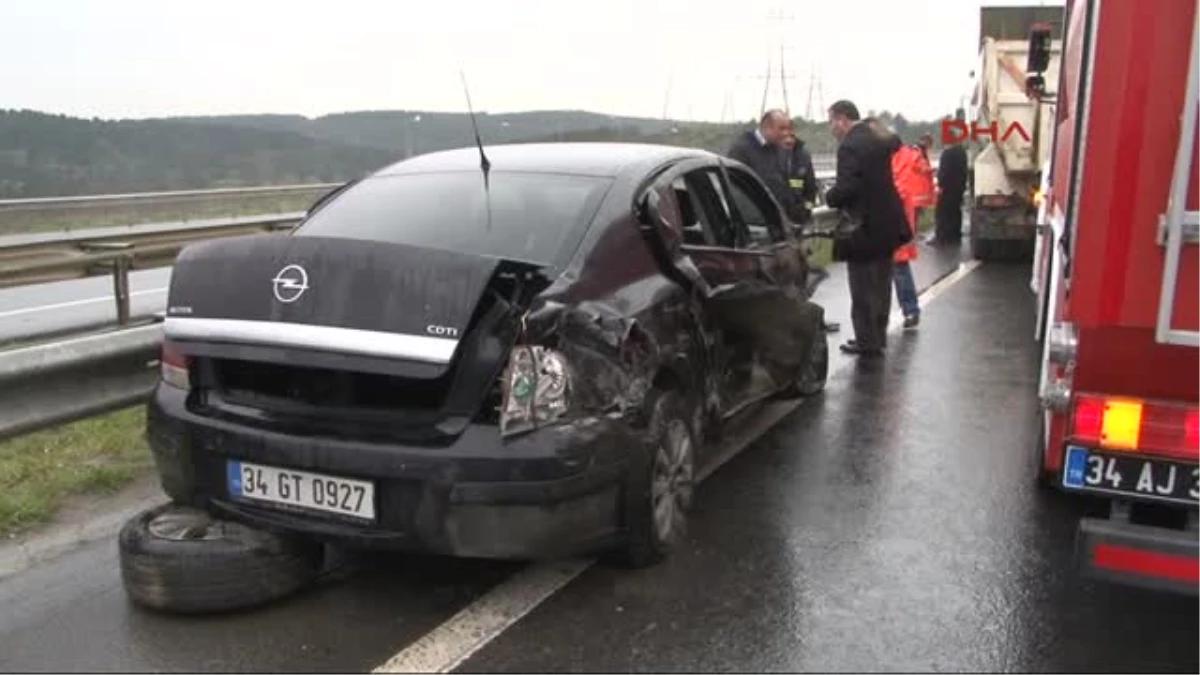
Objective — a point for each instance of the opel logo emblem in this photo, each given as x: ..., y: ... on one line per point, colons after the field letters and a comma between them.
x: 290, y: 283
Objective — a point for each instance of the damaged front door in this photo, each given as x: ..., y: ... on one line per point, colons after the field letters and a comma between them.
x: 730, y: 238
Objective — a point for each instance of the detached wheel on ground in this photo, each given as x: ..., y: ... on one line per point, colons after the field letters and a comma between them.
x: 181, y: 559
x: 659, y: 494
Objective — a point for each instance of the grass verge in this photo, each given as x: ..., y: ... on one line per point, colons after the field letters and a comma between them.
x: 39, y: 471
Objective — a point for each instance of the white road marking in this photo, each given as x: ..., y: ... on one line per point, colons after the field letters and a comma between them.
x: 462, y: 636
x: 445, y: 647
x: 76, y: 303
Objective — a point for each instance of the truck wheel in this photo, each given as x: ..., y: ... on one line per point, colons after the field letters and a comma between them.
x: 659, y: 493
x: 181, y: 559
x: 1002, y: 250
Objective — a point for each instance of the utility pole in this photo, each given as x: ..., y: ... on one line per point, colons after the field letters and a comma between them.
x: 667, y: 95
x: 766, y: 86
x: 786, y: 20
x: 814, y: 89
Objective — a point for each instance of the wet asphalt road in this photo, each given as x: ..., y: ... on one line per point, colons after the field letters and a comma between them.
x: 889, y: 525
x: 41, y: 310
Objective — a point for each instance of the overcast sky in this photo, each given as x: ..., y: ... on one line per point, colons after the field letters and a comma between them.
x: 149, y: 58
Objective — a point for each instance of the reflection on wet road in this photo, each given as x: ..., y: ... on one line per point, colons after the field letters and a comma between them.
x: 891, y: 524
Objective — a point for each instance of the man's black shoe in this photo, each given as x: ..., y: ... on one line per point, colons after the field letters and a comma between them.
x: 912, y: 321
x: 851, y: 347
x: 831, y: 327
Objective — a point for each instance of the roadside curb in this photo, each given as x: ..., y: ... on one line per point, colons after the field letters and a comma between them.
x: 23, y: 552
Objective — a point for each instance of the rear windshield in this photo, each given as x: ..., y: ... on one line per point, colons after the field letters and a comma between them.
x: 537, y: 218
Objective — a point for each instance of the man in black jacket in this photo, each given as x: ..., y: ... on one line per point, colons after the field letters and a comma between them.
x: 865, y: 191
x: 952, y: 183
x: 801, y: 177
x: 761, y: 150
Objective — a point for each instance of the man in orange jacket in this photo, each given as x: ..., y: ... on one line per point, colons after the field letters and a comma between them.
x: 913, y: 176
x: 925, y: 190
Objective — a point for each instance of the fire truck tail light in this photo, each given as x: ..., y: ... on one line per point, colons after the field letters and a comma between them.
x: 1088, y: 421
x: 1192, y: 429
x: 1126, y: 424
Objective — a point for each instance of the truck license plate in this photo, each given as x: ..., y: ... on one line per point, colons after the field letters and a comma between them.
x: 1135, y: 476
x: 301, y: 489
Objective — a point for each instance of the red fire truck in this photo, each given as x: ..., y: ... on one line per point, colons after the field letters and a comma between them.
x: 1116, y: 276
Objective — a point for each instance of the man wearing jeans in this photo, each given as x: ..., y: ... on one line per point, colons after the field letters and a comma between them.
x: 908, y: 171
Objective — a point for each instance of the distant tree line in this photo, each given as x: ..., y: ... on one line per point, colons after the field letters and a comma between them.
x: 45, y: 154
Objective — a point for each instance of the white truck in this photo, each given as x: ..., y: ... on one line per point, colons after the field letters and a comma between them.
x: 1011, y: 130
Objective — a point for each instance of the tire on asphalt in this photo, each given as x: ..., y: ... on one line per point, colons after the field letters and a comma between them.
x: 659, y: 492
x: 181, y: 559
x: 815, y: 373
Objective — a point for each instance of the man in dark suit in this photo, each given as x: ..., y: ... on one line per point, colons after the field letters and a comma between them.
x: 952, y: 183
x: 761, y: 149
x: 865, y: 191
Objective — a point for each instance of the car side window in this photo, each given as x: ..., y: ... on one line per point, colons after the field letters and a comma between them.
x: 712, y: 202
x: 756, y: 208
x: 709, y: 209
x: 696, y: 230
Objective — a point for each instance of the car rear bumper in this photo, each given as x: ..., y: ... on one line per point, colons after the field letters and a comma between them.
x: 552, y: 492
x: 1139, y: 555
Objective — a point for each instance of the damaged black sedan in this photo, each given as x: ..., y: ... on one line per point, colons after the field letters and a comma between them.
x: 527, y: 362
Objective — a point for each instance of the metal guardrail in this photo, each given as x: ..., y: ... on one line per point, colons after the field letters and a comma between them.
x: 54, y: 383
x: 81, y: 256
x: 68, y: 380
x: 83, y: 201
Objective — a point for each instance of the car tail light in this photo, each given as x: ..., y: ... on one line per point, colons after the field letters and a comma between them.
x: 174, y: 367
x: 536, y: 389
x: 1128, y: 424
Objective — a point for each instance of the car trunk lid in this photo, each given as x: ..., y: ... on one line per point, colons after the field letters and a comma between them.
x: 342, y: 337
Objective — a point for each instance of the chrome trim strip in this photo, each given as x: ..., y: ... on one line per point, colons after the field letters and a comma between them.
x: 307, y: 336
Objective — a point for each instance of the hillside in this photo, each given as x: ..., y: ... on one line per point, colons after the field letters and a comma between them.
x: 43, y: 154
x: 415, y: 132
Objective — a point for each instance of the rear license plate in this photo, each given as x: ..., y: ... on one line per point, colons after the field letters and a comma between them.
x: 1134, y: 476
x: 301, y: 489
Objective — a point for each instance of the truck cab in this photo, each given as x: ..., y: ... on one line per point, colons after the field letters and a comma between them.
x: 1116, y: 279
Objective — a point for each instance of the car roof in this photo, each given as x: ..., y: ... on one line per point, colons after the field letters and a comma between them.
x: 590, y: 159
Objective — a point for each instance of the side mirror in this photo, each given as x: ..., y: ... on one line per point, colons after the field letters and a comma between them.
x: 1039, y: 49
